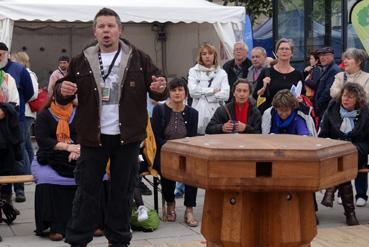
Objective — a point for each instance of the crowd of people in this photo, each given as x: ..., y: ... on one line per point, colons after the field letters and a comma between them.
x: 97, y: 116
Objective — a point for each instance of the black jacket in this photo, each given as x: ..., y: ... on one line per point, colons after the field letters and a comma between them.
x: 232, y: 76
x: 359, y: 136
x: 220, y: 117
x: 323, y: 86
x: 160, y: 120
x: 45, y: 130
x: 10, y: 139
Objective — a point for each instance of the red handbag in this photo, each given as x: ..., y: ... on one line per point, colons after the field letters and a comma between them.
x: 37, y: 104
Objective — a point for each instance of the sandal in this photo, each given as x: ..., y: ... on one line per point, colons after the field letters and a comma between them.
x: 171, y: 212
x: 189, y: 219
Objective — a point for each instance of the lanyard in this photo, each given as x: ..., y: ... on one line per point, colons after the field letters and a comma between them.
x: 110, y: 66
x: 61, y: 72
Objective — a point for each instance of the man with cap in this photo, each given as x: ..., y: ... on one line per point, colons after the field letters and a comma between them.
x: 25, y: 91
x: 325, y: 81
x: 60, y: 72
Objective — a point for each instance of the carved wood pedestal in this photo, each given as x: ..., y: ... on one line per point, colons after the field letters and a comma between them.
x: 259, y: 188
x: 258, y: 219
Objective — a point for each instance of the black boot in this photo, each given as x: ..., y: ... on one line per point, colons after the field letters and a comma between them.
x: 348, y: 204
x: 328, y: 197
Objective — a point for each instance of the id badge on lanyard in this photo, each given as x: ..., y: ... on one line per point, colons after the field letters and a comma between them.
x: 105, y: 92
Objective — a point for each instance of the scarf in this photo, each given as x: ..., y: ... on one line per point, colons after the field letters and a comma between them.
x: 62, y: 130
x: 278, y: 123
x: 241, y: 114
x: 2, y: 77
x: 347, y: 119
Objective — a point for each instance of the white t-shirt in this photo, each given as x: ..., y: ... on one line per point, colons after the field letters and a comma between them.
x: 109, y: 118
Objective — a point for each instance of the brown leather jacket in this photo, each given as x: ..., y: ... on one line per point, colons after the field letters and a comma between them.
x: 135, y: 79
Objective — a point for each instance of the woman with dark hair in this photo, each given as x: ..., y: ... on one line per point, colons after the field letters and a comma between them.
x: 279, y: 76
x: 354, y: 61
x: 173, y: 120
x: 347, y: 118
x: 208, y: 85
x: 239, y: 116
x: 312, y: 74
x: 53, y: 168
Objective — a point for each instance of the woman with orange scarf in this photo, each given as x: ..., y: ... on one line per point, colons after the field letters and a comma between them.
x: 53, y: 168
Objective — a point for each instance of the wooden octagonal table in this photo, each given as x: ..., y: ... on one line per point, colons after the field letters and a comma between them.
x: 259, y: 188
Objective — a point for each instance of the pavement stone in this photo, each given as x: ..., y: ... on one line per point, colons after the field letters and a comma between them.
x: 169, y: 234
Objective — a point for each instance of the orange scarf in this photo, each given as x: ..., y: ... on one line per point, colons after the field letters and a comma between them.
x: 62, y: 130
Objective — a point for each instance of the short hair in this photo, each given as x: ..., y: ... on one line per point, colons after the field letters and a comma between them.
x: 178, y: 82
x: 357, y: 90
x: 285, y: 99
x: 22, y: 58
x: 211, y: 49
x: 359, y: 55
x: 284, y: 40
x: 239, y: 81
x: 241, y: 43
x: 63, y: 58
x: 107, y: 12
x: 263, y: 51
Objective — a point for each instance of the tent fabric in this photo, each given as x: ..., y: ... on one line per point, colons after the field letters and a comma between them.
x: 6, y: 31
x: 188, y: 11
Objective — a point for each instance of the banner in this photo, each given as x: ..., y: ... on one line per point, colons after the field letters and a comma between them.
x: 360, y: 22
x: 247, y: 35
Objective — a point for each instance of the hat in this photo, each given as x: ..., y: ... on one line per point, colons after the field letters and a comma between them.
x: 325, y: 50
x: 63, y: 58
x: 3, y: 47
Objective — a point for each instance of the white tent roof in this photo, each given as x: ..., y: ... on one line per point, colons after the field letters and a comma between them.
x: 129, y: 10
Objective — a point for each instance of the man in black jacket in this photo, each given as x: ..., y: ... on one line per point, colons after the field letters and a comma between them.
x: 112, y: 79
x: 325, y: 81
x: 239, y: 66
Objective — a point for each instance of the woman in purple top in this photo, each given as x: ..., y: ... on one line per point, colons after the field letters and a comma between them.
x: 285, y: 116
x: 53, y: 168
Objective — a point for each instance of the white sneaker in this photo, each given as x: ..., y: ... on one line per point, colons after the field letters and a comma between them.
x: 339, y: 200
x: 360, y: 202
x: 142, y: 213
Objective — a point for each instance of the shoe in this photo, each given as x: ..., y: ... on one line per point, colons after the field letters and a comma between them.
x: 142, y: 213
x: 171, y: 215
x: 339, y: 200
x: 189, y: 219
x: 360, y: 202
x: 351, y: 219
x: 8, y: 199
x: 145, y: 191
x: 19, y: 196
x: 99, y: 232
x: 54, y: 236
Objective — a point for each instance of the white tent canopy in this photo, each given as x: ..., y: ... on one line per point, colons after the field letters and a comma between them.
x: 227, y: 21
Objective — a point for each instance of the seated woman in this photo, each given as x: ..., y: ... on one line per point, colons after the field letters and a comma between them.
x: 53, y: 168
x: 173, y: 120
x: 286, y: 116
x: 240, y: 115
x: 347, y: 118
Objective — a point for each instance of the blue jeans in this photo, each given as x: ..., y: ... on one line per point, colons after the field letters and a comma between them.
x: 29, y: 121
x: 361, y: 185
x: 20, y: 167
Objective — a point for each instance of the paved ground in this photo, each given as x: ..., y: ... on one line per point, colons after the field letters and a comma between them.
x: 20, y: 234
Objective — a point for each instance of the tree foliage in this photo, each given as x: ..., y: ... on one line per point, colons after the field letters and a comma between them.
x: 255, y: 8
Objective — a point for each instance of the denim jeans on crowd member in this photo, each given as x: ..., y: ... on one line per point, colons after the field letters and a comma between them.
x: 361, y: 185
x: 89, y: 174
x: 22, y: 167
x: 29, y: 121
